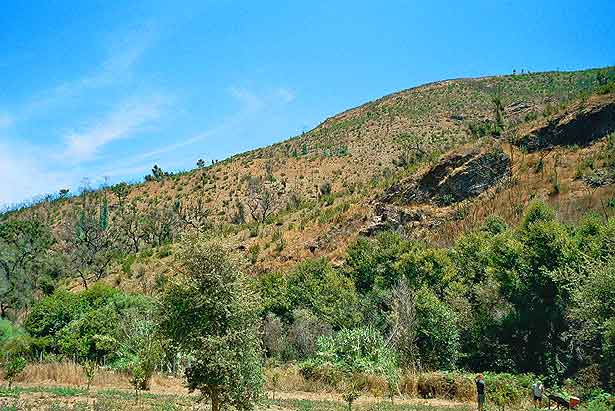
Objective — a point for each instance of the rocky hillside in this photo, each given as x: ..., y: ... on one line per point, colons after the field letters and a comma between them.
x: 432, y: 160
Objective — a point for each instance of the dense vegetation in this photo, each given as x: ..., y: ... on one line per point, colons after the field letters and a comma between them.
x: 538, y: 299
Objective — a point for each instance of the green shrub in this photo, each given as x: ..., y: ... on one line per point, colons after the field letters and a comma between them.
x: 315, y: 285
x: 507, y: 390
x: 602, y: 402
x: 359, y: 350
x: 12, y: 367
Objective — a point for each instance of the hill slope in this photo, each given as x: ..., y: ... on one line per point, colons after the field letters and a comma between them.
x: 314, y: 193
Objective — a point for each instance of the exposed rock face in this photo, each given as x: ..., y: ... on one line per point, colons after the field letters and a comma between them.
x: 455, y: 178
x: 389, y: 217
x: 580, y: 125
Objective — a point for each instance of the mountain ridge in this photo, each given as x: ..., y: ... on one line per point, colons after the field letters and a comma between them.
x: 322, y: 184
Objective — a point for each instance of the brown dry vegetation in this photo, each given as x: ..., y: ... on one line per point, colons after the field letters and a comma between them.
x: 62, y: 386
x: 358, y: 151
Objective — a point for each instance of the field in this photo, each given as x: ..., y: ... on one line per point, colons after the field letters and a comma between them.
x: 63, y: 386
x: 70, y: 398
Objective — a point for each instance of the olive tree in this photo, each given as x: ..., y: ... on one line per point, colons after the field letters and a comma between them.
x: 211, y: 314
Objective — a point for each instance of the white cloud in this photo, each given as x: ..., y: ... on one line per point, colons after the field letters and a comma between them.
x: 128, y: 118
x: 250, y: 104
x: 23, y: 176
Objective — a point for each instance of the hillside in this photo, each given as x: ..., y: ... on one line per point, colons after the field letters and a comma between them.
x: 398, y: 249
x: 316, y: 192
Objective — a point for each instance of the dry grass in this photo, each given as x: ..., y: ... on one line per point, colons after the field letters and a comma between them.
x: 72, y: 374
x: 447, y: 386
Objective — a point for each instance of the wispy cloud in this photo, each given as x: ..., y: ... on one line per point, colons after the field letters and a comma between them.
x: 124, y: 52
x: 250, y: 104
x: 124, y: 121
x: 249, y: 100
x: 20, y: 166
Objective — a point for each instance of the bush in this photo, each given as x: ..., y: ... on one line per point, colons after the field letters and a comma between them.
x: 507, y: 390
x: 13, y: 366
x: 330, y: 295
x: 303, y: 334
x: 211, y: 313
x: 84, y: 326
x: 602, y: 402
x: 359, y: 350
x: 445, y: 385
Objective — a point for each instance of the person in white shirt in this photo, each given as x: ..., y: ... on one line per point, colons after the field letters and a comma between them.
x: 538, y: 389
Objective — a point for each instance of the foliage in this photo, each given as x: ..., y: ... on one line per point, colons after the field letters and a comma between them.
x: 24, y: 249
x: 506, y: 390
x: 356, y: 350
x: 437, y: 335
x: 211, y: 314
x: 12, y: 367
x: 93, y: 325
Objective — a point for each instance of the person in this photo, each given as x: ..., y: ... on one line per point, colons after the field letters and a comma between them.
x: 480, y: 391
x: 538, y: 389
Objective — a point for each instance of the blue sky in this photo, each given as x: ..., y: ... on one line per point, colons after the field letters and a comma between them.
x: 95, y: 89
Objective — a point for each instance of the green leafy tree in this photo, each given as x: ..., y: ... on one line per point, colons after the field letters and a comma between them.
x: 329, y: 294
x: 593, y: 312
x: 24, y: 253
x: 212, y: 315
x: 437, y: 337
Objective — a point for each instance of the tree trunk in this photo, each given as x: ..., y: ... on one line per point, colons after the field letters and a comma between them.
x: 215, y: 400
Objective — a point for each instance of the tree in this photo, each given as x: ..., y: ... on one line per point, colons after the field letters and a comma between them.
x: 140, y: 341
x: 315, y: 285
x: 211, y: 313
x: 404, y: 325
x: 193, y: 215
x: 64, y: 193
x: 594, y: 314
x: 131, y: 224
x: 437, y: 337
x: 200, y: 163
x: 160, y: 224
x: 89, y: 242
x: 121, y: 191
x: 262, y: 199
x: 24, y: 246
x: 157, y: 174
x: 240, y: 215
x: 498, y: 111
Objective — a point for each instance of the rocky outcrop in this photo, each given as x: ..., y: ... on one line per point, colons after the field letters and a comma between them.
x: 389, y: 217
x: 579, y: 125
x: 455, y: 178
